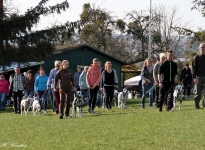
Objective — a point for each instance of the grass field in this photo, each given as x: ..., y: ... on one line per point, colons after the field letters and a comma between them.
x: 129, y: 129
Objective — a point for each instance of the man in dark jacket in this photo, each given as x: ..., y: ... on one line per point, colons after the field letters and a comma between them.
x: 199, y: 73
x: 186, y: 79
x: 168, y: 70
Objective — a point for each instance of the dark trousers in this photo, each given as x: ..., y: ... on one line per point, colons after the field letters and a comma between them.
x: 109, y: 92
x: 166, y: 93
x: 156, y: 95
x: 17, y: 96
x: 64, y: 100
x: 93, y: 97
x: 187, y: 89
x: 56, y: 100
x: 197, y: 96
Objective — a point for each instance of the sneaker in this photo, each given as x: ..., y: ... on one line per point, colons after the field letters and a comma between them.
x: 45, y: 111
x: 92, y: 112
x: 160, y: 109
x: 151, y: 107
x: 67, y: 117
x: 61, y: 116
x: 89, y: 110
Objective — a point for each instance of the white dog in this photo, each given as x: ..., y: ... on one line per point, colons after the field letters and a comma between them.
x: 178, y: 95
x: 36, y: 108
x: 25, y: 103
x: 122, y: 98
x: 78, y: 104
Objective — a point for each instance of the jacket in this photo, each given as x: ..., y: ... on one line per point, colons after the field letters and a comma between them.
x: 186, y: 76
x: 103, y: 79
x: 82, y: 81
x: 4, y: 86
x: 76, y: 78
x: 11, y: 81
x: 40, y: 83
x: 148, y: 75
x: 93, y: 75
x: 198, y: 66
x: 66, y: 79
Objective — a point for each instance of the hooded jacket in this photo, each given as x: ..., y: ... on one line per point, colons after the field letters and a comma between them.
x: 4, y: 86
x: 186, y: 76
x: 82, y: 80
x: 93, y: 75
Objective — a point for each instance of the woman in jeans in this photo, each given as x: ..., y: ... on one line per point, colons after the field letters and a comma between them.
x: 147, y: 82
x: 109, y: 81
x: 93, y: 80
x: 4, y: 90
x: 29, y: 85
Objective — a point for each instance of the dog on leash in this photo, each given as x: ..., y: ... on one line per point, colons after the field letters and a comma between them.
x: 115, y: 97
x: 36, y: 107
x: 178, y: 96
x: 78, y: 104
x: 122, y: 98
x: 25, y: 105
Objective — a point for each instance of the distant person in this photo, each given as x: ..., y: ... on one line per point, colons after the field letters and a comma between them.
x: 186, y: 80
x: 29, y: 91
x: 76, y: 78
x: 56, y: 96
x: 66, y: 85
x: 4, y: 90
x: 17, y: 85
x: 199, y: 73
x: 40, y: 88
x: 162, y: 57
x: 93, y: 80
x: 109, y: 81
x: 167, y: 76
x: 37, y: 73
x: 83, y: 85
x: 147, y: 82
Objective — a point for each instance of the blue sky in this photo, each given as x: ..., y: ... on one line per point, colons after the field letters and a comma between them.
x: 117, y: 7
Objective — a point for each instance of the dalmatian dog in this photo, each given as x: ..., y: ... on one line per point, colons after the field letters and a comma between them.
x: 115, y: 97
x: 36, y: 107
x: 178, y: 95
x: 78, y: 104
x: 25, y: 104
x: 122, y: 98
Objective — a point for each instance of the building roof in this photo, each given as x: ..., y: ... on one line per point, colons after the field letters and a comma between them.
x: 63, y: 49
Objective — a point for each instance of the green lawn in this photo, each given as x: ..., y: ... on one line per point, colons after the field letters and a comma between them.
x: 129, y: 129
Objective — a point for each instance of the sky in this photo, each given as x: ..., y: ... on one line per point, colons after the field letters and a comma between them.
x: 118, y: 8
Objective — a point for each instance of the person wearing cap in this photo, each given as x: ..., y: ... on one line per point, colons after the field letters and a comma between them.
x: 76, y: 78
x: 4, y: 90
x: 167, y: 76
x: 162, y: 57
x: 17, y: 85
x: 40, y: 87
x: 198, y: 73
x: 186, y: 79
x: 56, y: 96
x: 29, y: 85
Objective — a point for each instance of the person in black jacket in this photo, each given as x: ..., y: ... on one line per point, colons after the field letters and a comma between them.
x: 167, y: 76
x: 186, y: 79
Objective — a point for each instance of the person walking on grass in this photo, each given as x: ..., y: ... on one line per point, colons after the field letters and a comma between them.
x: 109, y: 81
x: 147, y: 82
x: 4, y: 90
x: 162, y: 57
x: 168, y: 70
x: 17, y: 85
x: 29, y: 91
x: 66, y: 85
x: 199, y: 74
x: 40, y: 88
x: 93, y: 80
x: 56, y: 96
x: 186, y: 80
x: 76, y: 78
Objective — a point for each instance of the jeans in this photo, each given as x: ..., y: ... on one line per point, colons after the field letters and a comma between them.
x: 99, y: 98
x: 144, y: 90
x: 45, y: 98
x: 28, y: 93
x: 2, y: 100
x: 86, y: 94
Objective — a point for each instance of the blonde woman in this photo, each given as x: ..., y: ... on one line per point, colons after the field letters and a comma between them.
x: 147, y: 82
x: 109, y: 81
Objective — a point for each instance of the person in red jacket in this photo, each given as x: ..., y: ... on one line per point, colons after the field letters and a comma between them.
x: 93, y: 80
x: 4, y: 90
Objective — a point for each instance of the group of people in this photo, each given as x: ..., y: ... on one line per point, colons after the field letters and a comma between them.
x: 60, y: 83
x: 163, y: 76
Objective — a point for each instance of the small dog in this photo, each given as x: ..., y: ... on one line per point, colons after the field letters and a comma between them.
x: 78, y: 104
x: 36, y: 108
x: 25, y: 103
x: 178, y: 95
x: 122, y: 98
x: 115, y: 97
